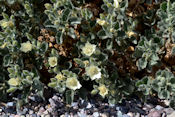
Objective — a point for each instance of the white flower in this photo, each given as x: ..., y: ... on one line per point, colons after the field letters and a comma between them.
x: 130, y: 33
x: 60, y: 76
x: 116, y: 3
x: 103, y: 90
x: 3, y: 45
x: 26, y: 47
x: 52, y: 61
x: 73, y: 83
x: 86, y: 63
x: 101, y: 22
x: 5, y: 24
x: 88, y: 49
x: 14, y: 81
x: 48, y: 6
x: 93, y: 72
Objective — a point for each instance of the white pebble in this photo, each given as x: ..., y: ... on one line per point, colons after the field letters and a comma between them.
x: 95, y: 114
x: 89, y: 105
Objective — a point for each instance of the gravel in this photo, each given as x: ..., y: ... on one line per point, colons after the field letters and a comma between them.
x: 56, y: 107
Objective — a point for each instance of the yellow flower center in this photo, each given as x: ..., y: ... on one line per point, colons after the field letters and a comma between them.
x: 14, y: 81
x: 93, y: 70
x: 59, y: 77
x: 103, y: 90
x: 73, y: 82
x: 88, y: 50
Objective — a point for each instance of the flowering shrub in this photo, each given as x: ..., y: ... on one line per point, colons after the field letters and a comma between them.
x: 110, y: 48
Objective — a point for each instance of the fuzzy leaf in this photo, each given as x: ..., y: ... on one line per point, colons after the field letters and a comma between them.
x: 59, y: 37
x: 66, y: 14
x: 142, y: 63
x: 69, y: 96
x: 102, y: 34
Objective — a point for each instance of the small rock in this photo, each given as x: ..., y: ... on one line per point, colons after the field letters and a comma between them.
x: 117, y: 108
x: 103, y: 115
x: 172, y: 114
x: 168, y: 110
x: 74, y: 104
x: 62, y: 115
x: 147, y: 107
x: 163, y: 115
x: 25, y: 110
x: 137, y: 115
x: 41, y: 111
x: 52, y: 103
x: 32, y: 98
x: 89, y: 106
x: 22, y: 116
x: 45, y: 115
x: 125, y: 115
x: 5, y: 116
x: 10, y: 104
x: 82, y: 113
x: 31, y: 112
x: 130, y: 114
x: 45, y: 112
x: 124, y: 109
x: 155, y: 114
x: 112, y: 105
x: 95, y: 114
x: 33, y: 115
x: 55, y: 97
x: 15, y: 116
x: 158, y: 107
x: 167, y: 102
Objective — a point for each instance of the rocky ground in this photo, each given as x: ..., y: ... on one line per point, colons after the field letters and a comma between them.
x: 55, y: 107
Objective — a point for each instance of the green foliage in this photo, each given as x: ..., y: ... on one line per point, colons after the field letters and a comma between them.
x: 84, y: 49
x: 147, y: 52
x: 163, y: 85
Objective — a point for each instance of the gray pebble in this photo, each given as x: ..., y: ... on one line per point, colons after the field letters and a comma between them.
x: 74, y: 104
x: 167, y: 102
x: 172, y: 114
x: 52, y: 103
x: 82, y: 113
x: 10, y: 104
x: 22, y: 116
x: 158, y: 107
x: 5, y: 116
x: 32, y: 98
x: 155, y: 114
x: 130, y: 114
x: 112, y: 105
x: 41, y: 110
x: 137, y: 115
x: 117, y: 108
x: 55, y: 97
x: 125, y: 115
x: 31, y: 112
x: 25, y: 110
x: 89, y: 106
x: 168, y: 110
x: 96, y: 114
